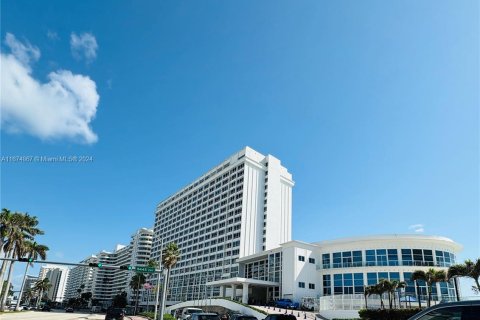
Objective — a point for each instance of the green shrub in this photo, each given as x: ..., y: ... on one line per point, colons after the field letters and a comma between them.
x: 168, y: 316
x: 387, y: 314
x: 151, y: 315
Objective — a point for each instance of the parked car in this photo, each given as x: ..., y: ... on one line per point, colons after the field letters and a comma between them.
x: 69, y: 310
x: 242, y: 317
x: 286, y: 304
x: 280, y: 317
x: 115, y: 314
x: 187, y: 312
x: 204, y: 316
x: 463, y: 310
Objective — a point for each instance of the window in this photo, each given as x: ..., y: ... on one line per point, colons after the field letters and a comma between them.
x: 327, y: 290
x: 301, y: 258
x: 301, y: 284
x: 444, y: 313
x: 311, y: 286
x: 311, y: 260
x: 326, y: 261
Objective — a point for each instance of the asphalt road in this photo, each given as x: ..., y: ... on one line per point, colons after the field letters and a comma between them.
x: 53, y: 315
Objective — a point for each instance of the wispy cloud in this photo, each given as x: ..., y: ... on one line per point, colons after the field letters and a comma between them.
x: 52, y: 35
x: 23, y: 52
x: 417, y: 228
x: 63, y: 107
x: 84, y: 46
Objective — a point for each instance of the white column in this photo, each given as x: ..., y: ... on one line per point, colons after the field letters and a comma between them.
x: 245, y: 293
x: 234, y: 291
x: 222, y: 291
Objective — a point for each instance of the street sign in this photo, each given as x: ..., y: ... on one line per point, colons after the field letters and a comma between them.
x: 145, y: 269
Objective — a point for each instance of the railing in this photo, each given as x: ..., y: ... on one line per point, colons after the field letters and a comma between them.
x: 381, y: 264
x: 357, y: 301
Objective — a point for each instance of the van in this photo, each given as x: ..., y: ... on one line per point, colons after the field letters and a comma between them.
x: 187, y: 312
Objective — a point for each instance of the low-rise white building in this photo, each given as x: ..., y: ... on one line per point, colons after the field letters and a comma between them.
x: 342, y: 268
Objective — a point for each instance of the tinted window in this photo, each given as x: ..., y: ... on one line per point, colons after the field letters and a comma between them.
x: 443, y: 314
x: 471, y: 313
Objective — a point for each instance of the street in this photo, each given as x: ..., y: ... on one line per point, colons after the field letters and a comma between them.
x: 53, y: 315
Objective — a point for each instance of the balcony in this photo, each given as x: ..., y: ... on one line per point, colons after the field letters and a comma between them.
x: 381, y: 264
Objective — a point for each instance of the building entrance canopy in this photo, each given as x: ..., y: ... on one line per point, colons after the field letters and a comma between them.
x: 244, y: 282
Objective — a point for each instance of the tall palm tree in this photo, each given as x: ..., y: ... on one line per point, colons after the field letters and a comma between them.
x: 431, y: 276
x: 41, y: 287
x: 469, y: 269
x: 32, y: 250
x: 170, y: 256
x: 23, y: 228
x: 137, y: 281
x: 6, y: 222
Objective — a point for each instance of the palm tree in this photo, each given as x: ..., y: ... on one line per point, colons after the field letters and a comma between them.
x: 430, y: 277
x: 170, y: 256
x: 367, y: 292
x: 469, y: 269
x: 33, y: 250
x: 384, y: 286
x: 6, y: 223
x: 28, y: 296
x: 395, y: 285
x: 137, y: 281
x: 23, y: 227
x: 42, y: 286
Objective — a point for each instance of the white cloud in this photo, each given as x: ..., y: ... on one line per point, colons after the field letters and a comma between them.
x: 63, y: 107
x: 23, y: 52
x: 84, y: 46
x: 418, y: 228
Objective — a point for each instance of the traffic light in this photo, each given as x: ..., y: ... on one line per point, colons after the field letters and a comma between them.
x: 96, y: 265
x: 25, y: 259
x: 126, y: 267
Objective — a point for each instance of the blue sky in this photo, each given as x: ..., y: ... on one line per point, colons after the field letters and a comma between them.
x: 371, y: 105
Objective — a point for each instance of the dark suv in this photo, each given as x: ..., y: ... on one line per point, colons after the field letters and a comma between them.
x: 115, y: 314
x: 463, y: 310
x: 280, y: 317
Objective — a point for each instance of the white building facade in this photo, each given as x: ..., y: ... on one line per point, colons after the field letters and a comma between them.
x: 105, y: 283
x: 58, y: 277
x: 340, y: 269
x: 241, y: 207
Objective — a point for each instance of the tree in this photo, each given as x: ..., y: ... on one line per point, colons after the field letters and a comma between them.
x: 367, y: 292
x: 32, y: 250
x: 395, y: 286
x: 137, y: 281
x: 430, y: 277
x: 41, y: 287
x: 4, y: 287
x: 22, y: 227
x: 170, y: 256
x: 469, y: 269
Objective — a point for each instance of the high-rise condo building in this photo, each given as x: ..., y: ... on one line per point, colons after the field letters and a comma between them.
x: 58, y: 277
x: 241, y: 207
x: 105, y: 283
